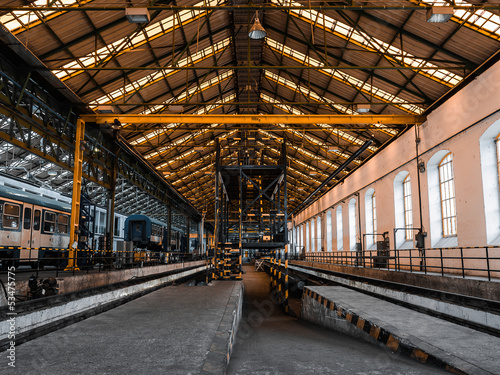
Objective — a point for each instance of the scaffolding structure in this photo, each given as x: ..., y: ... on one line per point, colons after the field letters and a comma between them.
x: 251, y: 213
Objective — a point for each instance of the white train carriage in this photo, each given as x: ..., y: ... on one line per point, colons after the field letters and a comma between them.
x: 32, y: 228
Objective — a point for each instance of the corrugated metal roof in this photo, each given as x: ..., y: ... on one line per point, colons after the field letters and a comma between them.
x: 354, y: 54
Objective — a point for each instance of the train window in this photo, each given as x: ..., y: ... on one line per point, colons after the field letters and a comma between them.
x: 62, y: 224
x: 117, y: 226
x: 11, y: 213
x: 27, y: 218
x: 36, y: 220
x: 49, y: 222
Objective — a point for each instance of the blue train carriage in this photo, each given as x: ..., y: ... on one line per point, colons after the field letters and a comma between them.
x: 32, y: 228
x: 148, y: 238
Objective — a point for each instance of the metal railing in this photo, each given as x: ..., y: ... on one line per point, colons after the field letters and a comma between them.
x: 465, y: 262
x: 55, y: 261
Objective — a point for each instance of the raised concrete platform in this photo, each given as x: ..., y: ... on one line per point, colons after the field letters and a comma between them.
x: 69, y: 281
x: 424, y: 338
x: 174, y: 330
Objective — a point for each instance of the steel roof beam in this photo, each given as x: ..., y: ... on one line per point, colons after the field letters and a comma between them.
x: 348, y: 63
x: 469, y: 64
x: 379, y: 6
x: 154, y: 60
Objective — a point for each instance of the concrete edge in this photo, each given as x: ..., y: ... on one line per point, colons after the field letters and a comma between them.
x: 476, y: 318
x: 40, y: 322
x: 399, y: 342
x: 220, y: 351
x: 69, y: 283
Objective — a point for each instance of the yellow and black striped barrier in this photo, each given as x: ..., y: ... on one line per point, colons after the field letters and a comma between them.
x: 380, y: 334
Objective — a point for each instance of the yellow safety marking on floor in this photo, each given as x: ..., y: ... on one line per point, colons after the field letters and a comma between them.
x: 375, y: 332
x: 361, y: 323
x: 419, y: 355
x: 393, y: 343
x: 339, y: 311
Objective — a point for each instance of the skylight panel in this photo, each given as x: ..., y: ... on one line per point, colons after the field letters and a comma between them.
x: 19, y: 20
x: 201, y: 111
x: 126, y: 44
x: 187, y: 138
x: 344, y: 77
x: 312, y: 94
x: 368, y: 42
x: 337, y: 132
x: 304, y: 152
x: 162, y: 74
x: 484, y: 20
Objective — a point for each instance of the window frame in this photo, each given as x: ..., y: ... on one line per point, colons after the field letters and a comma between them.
x: 340, y: 228
x: 46, y: 221
x: 11, y: 216
x: 447, y: 196
x: 407, y: 209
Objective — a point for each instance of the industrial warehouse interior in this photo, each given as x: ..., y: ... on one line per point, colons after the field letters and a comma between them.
x: 266, y: 187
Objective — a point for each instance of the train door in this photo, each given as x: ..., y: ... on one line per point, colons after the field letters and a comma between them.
x: 36, y: 226
x: 25, y: 244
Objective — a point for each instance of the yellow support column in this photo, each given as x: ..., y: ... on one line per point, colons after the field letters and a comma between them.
x: 286, y: 279
x: 75, y: 203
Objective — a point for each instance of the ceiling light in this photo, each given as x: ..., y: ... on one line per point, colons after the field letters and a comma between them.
x: 439, y: 14
x: 175, y: 108
x: 363, y: 108
x: 137, y: 15
x: 333, y: 149
x: 52, y: 173
x: 102, y: 109
x: 257, y: 31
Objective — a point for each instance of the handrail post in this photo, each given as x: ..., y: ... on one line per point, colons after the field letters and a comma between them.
x: 411, y: 266
x: 488, y: 263
x: 441, y: 255
x: 462, y: 259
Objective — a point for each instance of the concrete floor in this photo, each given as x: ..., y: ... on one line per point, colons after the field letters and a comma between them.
x: 165, y: 332
x: 272, y: 343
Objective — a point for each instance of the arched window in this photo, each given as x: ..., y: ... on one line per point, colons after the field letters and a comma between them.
x: 340, y: 229
x: 370, y: 218
x: 403, y: 210
x: 328, y: 231
x: 318, y: 234
x: 352, y: 224
x: 313, y: 235
x: 442, y: 206
x: 408, y: 215
x: 447, y: 191
x: 308, y: 244
x: 489, y: 144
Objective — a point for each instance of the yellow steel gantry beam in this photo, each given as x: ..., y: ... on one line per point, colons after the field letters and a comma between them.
x: 254, y: 119
x: 75, y: 202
